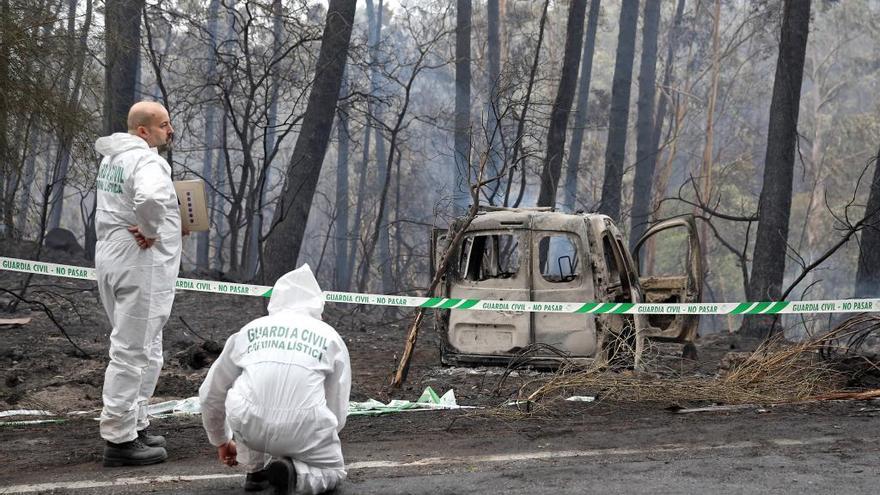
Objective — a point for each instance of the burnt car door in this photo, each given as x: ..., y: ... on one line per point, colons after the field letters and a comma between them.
x: 490, y: 265
x: 561, y: 272
x: 621, y: 336
x: 673, y: 275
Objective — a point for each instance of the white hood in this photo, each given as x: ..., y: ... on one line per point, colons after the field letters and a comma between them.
x: 118, y: 142
x: 297, y: 291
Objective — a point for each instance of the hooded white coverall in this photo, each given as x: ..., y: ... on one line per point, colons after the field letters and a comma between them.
x: 281, y: 385
x: 136, y: 285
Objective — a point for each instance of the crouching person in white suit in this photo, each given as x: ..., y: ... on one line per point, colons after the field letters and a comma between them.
x: 277, y: 396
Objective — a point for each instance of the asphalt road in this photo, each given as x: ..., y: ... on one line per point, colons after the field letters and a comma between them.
x: 823, y: 467
x: 823, y: 450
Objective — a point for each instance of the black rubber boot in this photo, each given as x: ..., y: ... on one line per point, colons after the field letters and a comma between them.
x: 151, y: 440
x: 256, y: 481
x: 282, y: 475
x: 133, y: 453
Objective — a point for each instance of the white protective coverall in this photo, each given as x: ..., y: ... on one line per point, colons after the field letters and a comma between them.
x: 281, y: 385
x: 136, y: 285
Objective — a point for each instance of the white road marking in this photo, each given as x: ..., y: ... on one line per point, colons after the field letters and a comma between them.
x: 528, y: 456
x: 79, y: 485
x: 431, y: 461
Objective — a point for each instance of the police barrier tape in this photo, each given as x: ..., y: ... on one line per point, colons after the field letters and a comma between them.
x: 750, y: 308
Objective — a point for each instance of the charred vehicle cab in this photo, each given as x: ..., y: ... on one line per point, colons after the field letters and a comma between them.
x: 542, y: 255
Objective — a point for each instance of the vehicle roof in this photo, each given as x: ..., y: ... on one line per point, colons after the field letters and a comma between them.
x: 503, y: 218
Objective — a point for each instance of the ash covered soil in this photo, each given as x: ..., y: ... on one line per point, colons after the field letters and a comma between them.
x: 42, y: 368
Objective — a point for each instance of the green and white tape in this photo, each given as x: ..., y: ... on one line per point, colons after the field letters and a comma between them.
x: 68, y: 271
x: 511, y: 307
x: 748, y: 308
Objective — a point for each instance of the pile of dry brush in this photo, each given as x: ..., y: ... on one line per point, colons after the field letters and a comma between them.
x: 776, y: 372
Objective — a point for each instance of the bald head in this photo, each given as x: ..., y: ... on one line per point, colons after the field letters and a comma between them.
x: 143, y: 113
x: 149, y: 120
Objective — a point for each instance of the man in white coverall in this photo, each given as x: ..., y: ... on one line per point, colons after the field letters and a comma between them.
x: 137, y: 258
x: 280, y: 388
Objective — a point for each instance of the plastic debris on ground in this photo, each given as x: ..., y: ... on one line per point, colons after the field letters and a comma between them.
x: 581, y: 398
x: 487, y: 371
x: 428, y: 401
x: 168, y: 408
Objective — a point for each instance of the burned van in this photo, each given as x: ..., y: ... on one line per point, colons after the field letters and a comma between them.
x: 540, y: 255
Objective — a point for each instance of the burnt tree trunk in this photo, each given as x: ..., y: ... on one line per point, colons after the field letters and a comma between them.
x: 665, y: 96
x: 73, y: 78
x: 383, y: 172
x: 646, y: 147
x: 5, y: 155
x: 868, y: 272
x: 292, y: 213
x: 29, y: 175
x: 264, y: 175
x: 122, y: 38
x: 574, y: 37
x: 341, y: 275
x: 615, y: 150
x: 122, y: 44
x: 580, y: 110
x: 774, y: 206
x: 358, y: 221
x: 376, y: 121
x: 659, y: 178
x: 461, y: 181
x: 203, y: 246
x: 515, y: 161
x: 493, y: 129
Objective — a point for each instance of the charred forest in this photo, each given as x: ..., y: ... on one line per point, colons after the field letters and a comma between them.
x: 340, y: 133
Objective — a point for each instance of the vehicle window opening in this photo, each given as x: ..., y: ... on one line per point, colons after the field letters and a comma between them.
x: 610, y: 260
x: 619, y: 282
x: 489, y: 256
x: 558, y: 258
x: 671, y: 254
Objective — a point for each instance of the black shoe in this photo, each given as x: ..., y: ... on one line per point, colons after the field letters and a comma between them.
x: 282, y: 475
x: 151, y: 440
x: 257, y: 481
x: 133, y: 453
